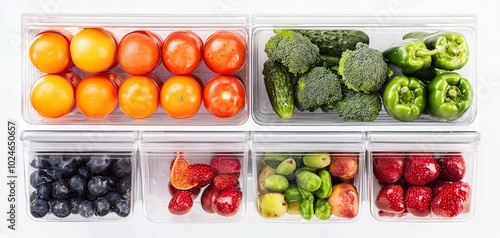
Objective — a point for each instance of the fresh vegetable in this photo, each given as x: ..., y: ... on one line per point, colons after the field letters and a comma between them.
x: 449, y: 96
x: 224, y: 52
x: 224, y: 96
x: 279, y: 88
x: 334, y: 42
x: 363, y: 69
x: 326, y: 185
x: 306, y: 208
x: 405, y: 98
x: 181, y: 52
x: 293, y: 50
x: 329, y: 62
x: 410, y: 54
x: 453, y: 47
x: 427, y: 74
x: 308, y: 181
x: 292, y: 193
x: 322, y: 209
x: 317, y: 88
x: 358, y: 106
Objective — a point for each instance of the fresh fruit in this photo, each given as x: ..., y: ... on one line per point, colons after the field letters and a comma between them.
x: 181, y: 52
x: 225, y: 164
x: 271, y: 205
x: 39, y: 208
x: 60, y: 189
x: 202, y: 174
x: 286, y: 167
x: 344, y: 166
x: 344, y: 200
x: 207, y: 197
x: 421, y: 169
x: 52, y: 96
x: 224, y: 96
x: 293, y: 208
x: 227, y: 202
x: 418, y: 200
x: 102, y: 206
x: 276, y: 183
x: 451, y: 200
x: 388, y: 168
x: 86, y: 209
x: 226, y: 181
x: 39, y: 177
x: 98, y: 186
x: 452, y: 168
x: 181, y: 96
x: 50, y: 53
x: 316, y: 160
x: 391, y: 199
x: 139, y: 52
x: 194, y: 191
x: 224, y: 52
x: 263, y: 174
x: 122, y: 208
x: 181, y: 203
x: 97, y: 95
x: 60, y: 208
x: 274, y: 159
x: 308, y: 180
x: 325, y: 189
x: 292, y: 193
x: 122, y: 168
x: 139, y: 96
x: 181, y: 175
x: 97, y: 164
x: 438, y: 186
x: 93, y: 50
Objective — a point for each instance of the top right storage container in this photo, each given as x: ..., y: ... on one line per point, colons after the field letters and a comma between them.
x: 300, y: 97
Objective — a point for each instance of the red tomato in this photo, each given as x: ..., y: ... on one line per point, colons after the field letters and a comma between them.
x: 181, y: 52
x: 224, y: 52
x: 224, y: 96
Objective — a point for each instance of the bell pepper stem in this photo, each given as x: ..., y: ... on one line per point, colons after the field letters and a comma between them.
x: 406, y: 95
x: 453, y: 50
x: 452, y: 94
x: 423, y: 53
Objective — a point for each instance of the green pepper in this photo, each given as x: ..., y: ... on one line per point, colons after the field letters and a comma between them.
x: 410, y: 55
x: 404, y: 98
x: 322, y: 209
x: 453, y: 45
x: 449, y: 96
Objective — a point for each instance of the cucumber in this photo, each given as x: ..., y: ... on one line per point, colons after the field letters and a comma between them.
x: 334, y: 42
x: 279, y: 87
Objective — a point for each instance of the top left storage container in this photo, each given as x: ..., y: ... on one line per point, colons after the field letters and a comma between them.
x: 167, y: 70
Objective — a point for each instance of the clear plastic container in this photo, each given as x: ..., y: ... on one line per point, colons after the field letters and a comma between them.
x: 382, y: 33
x: 158, y: 151
x: 119, y: 26
x: 66, y: 166
x: 414, y: 160
x: 344, y: 161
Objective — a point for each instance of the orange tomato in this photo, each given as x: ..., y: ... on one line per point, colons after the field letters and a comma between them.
x: 139, y: 96
x: 52, y: 96
x: 97, y: 95
x: 180, y: 96
x: 181, y: 52
x: 139, y: 52
x: 93, y: 50
x: 50, y: 53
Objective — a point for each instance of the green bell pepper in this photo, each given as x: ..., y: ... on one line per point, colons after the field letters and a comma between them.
x: 449, y: 96
x: 453, y: 45
x: 410, y: 55
x: 405, y: 98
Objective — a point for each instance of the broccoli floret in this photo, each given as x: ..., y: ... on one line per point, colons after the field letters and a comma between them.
x: 363, y: 69
x: 293, y: 50
x: 358, y: 106
x: 317, y: 88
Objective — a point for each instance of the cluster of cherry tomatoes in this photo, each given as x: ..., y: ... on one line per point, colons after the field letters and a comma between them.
x: 95, y: 51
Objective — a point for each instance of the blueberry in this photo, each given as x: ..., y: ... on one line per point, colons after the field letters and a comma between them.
x: 89, y: 196
x: 39, y: 208
x: 77, y: 184
x: 113, y: 197
x: 124, y: 186
x: 122, y: 208
x: 60, y: 208
x: 86, y: 209
x: 54, y: 160
x: 39, y: 177
x: 102, y: 206
x: 75, y: 204
x: 97, y: 164
x: 84, y: 172
x: 112, y: 181
x: 98, y: 186
x: 54, y: 174
x: 40, y: 162
x: 60, y: 189
x: 44, y: 191
x: 33, y: 196
x: 68, y: 165
x: 122, y: 168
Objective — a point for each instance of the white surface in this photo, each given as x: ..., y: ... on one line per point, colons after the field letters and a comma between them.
x: 484, y: 222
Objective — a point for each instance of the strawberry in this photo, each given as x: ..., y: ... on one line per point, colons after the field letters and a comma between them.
x: 451, y: 200
x: 194, y: 191
x: 225, y: 164
x: 181, y: 203
x: 388, y: 168
x: 391, y: 214
x: 226, y: 181
x: 421, y: 169
x: 438, y: 186
x: 452, y: 168
x: 202, y: 173
x: 391, y: 199
x: 418, y: 200
x: 227, y: 203
x: 207, y: 197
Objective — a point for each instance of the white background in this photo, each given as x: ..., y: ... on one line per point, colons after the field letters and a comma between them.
x: 485, y: 222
